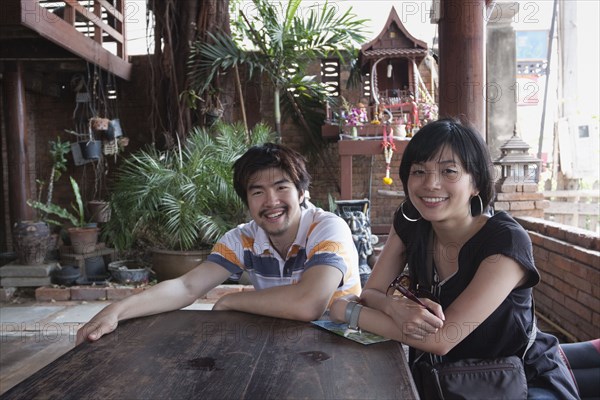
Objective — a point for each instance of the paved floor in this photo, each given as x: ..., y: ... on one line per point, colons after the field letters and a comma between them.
x: 34, y: 334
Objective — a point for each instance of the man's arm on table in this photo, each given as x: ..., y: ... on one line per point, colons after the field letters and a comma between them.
x: 303, y: 301
x: 168, y: 295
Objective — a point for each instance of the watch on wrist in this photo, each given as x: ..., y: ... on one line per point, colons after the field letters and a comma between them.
x: 353, y: 323
x: 349, y: 307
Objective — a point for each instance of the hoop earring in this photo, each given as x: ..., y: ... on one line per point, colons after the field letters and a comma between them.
x: 404, y: 215
x: 480, y: 205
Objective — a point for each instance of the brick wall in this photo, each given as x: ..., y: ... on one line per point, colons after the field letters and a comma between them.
x: 520, y: 199
x: 568, y: 259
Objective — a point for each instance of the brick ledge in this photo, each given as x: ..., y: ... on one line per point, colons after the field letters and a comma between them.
x: 113, y: 293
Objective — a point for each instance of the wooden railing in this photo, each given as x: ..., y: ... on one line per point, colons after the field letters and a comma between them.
x: 100, y: 20
x: 578, y: 208
x: 93, y: 30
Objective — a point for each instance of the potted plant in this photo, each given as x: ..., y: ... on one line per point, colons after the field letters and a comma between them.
x: 34, y: 239
x: 180, y: 201
x: 83, y: 237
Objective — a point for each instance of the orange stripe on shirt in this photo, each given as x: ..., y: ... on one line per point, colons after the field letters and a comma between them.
x: 247, y: 242
x: 327, y: 246
x: 312, y: 228
x: 227, y: 254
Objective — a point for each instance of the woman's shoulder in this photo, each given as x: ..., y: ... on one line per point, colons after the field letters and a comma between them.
x: 502, y: 225
x: 505, y: 236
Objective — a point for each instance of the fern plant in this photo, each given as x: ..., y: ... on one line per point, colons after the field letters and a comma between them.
x: 181, y: 198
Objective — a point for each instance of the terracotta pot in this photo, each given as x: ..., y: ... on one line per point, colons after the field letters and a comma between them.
x: 99, y: 124
x: 30, y: 240
x: 83, y: 240
x: 169, y: 264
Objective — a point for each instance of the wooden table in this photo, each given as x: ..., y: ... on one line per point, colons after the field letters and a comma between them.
x: 222, y: 355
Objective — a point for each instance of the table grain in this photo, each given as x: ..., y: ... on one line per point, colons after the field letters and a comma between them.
x: 222, y: 355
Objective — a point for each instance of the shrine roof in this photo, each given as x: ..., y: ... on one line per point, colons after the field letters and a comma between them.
x: 394, y: 40
x: 376, y: 53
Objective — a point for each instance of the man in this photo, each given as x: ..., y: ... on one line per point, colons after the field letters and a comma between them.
x: 298, y: 258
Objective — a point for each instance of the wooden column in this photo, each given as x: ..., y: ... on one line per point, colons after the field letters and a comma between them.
x: 462, y: 60
x: 19, y: 190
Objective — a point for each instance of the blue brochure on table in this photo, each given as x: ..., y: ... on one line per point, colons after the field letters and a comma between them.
x: 362, y: 337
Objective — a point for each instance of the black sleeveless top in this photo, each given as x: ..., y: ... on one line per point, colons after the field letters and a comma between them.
x: 505, y: 331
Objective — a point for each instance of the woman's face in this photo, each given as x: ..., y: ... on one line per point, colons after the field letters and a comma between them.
x: 441, y: 189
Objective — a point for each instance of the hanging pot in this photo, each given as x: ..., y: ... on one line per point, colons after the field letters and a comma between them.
x: 91, y: 150
x: 211, y: 116
x: 31, y: 241
x: 114, y: 129
x: 99, y: 124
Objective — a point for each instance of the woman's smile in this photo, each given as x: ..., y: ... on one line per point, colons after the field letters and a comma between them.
x: 431, y: 201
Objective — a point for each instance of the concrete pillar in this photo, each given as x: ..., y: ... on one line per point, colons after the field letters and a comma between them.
x: 501, y: 66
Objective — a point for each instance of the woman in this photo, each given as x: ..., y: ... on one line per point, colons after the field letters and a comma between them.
x: 481, y: 266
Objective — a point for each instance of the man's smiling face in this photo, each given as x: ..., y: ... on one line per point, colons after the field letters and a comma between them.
x: 274, y: 202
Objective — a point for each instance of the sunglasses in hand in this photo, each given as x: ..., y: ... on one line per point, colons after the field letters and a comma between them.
x: 402, y: 284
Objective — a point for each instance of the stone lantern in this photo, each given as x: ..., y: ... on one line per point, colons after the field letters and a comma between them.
x: 517, y: 165
x: 517, y: 188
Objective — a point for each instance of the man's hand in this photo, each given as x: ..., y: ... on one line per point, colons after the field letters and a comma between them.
x: 103, y: 323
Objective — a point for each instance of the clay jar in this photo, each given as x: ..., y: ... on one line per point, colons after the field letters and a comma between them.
x: 31, y: 241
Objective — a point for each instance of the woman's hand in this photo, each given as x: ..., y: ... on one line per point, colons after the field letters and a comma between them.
x: 221, y: 304
x: 337, y: 311
x: 414, y: 320
x: 104, y: 322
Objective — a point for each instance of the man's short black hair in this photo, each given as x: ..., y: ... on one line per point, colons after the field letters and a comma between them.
x: 269, y: 155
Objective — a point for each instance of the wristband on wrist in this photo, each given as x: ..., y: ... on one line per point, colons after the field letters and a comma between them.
x: 349, y: 307
x: 353, y: 323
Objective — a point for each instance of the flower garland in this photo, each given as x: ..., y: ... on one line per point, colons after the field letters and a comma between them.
x: 356, y: 117
x: 388, y: 151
